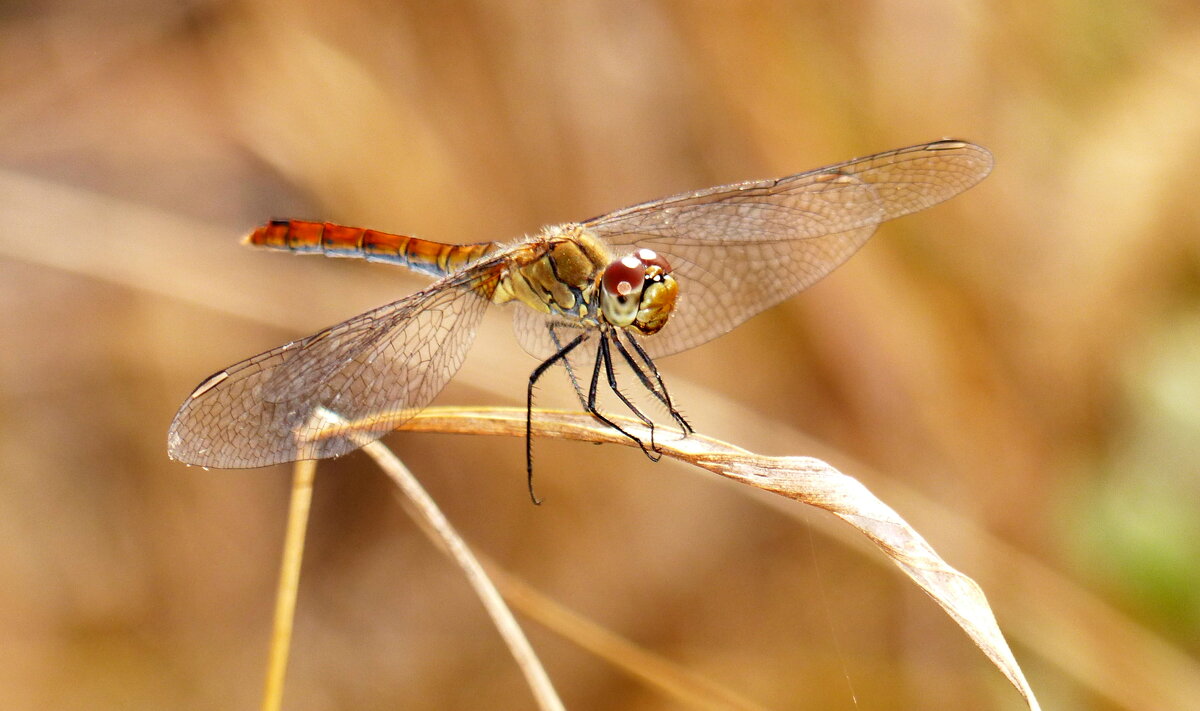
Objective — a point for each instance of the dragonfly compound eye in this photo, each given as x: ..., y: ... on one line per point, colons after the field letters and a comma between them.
x: 621, y: 290
x: 653, y: 259
x: 638, y: 290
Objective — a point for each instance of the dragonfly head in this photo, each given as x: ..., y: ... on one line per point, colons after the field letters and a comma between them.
x: 638, y: 290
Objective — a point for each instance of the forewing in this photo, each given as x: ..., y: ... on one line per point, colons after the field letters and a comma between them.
x: 385, y: 364
x: 741, y: 248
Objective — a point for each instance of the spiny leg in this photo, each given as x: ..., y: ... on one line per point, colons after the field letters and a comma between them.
x: 606, y: 355
x: 661, y: 391
x: 553, y: 329
x: 657, y: 392
x: 584, y: 399
x: 560, y: 354
x: 603, y: 355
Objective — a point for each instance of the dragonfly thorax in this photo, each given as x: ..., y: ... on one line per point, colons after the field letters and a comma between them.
x: 557, y: 273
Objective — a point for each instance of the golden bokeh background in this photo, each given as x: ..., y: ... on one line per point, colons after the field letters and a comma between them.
x: 1017, y: 371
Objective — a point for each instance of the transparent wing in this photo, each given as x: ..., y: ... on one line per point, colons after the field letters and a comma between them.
x: 739, y: 249
x: 387, y: 363
x: 536, y: 332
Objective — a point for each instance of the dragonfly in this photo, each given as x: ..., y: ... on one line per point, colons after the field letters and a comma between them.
x: 625, y: 288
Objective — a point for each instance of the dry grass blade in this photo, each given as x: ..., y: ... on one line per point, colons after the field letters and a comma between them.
x: 696, y: 691
x: 804, y: 479
x: 678, y: 683
x: 426, y: 513
x: 434, y: 523
x: 303, y: 475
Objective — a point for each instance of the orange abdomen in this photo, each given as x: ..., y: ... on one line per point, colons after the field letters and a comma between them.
x: 333, y: 240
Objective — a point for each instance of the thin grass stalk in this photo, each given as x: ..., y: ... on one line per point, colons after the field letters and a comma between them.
x: 431, y: 519
x: 303, y: 474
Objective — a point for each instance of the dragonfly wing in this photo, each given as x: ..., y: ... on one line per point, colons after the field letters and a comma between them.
x: 543, y: 335
x: 533, y: 332
x: 372, y: 371
x: 739, y: 249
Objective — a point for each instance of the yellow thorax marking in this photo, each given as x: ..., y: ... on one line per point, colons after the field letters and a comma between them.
x: 569, y: 258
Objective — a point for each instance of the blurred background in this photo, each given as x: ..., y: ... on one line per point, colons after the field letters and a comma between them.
x: 1016, y: 371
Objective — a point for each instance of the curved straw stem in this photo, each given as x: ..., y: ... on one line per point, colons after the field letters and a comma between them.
x: 804, y: 479
x: 435, y: 525
x: 431, y: 519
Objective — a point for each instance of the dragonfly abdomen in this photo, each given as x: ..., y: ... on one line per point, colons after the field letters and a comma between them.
x: 304, y: 237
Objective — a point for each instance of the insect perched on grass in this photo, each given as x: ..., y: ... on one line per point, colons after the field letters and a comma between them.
x: 636, y: 284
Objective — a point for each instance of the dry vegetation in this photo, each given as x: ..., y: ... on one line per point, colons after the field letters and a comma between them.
x: 1015, y: 372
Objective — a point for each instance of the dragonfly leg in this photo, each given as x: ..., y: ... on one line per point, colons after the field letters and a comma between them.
x: 537, y: 373
x: 588, y: 400
x: 659, y: 392
x: 606, y: 354
x: 603, y: 355
x: 558, y: 343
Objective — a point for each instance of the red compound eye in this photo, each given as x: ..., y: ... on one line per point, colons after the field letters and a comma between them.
x: 651, y: 258
x: 624, y: 276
